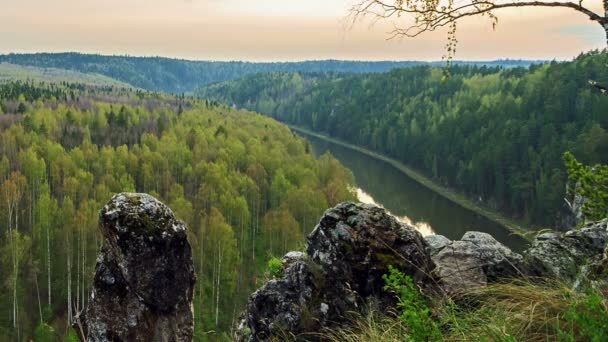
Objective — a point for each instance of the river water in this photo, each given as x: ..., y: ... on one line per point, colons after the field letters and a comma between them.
x: 382, y: 184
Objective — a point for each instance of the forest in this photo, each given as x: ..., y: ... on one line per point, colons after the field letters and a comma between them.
x: 179, y: 76
x: 495, y: 134
x: 247, y: 187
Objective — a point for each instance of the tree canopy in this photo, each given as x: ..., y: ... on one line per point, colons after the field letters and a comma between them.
x: 497, y: 135
x: 246, y: 186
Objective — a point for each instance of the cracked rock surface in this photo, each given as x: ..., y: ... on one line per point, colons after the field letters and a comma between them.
x: 144, y: 276
x: 340, y: 274
x: 565, y: 255
x: 474, y: 261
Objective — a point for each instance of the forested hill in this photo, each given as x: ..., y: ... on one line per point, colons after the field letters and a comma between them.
x: 12, y: 72
x: 497, y: 135
x: 245, y: 185
x: 179, y: 76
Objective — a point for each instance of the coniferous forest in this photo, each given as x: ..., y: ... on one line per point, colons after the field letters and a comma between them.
x: 178, y: 76
x: 495, y: 134
x: 246, y: 186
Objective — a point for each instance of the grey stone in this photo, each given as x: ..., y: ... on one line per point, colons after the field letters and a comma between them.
x: 144, y: 276
x: 563, y: 255
x: 437, y: 242
x: 475, y: 261
x: 347, y: 254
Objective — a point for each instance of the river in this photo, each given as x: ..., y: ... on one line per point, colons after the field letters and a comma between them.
x: 382, y: 184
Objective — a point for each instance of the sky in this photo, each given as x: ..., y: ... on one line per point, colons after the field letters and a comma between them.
x: 278, y: 30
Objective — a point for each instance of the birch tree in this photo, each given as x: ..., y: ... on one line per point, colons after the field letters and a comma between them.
x: 12, y: 190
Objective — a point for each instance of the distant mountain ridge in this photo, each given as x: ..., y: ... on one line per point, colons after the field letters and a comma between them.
x: 13, y: 72
x: 185, y: 76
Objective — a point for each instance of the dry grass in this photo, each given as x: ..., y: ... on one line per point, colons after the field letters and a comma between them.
x: 373, y: 328
x: 516, y: 311
x: 522, y: 311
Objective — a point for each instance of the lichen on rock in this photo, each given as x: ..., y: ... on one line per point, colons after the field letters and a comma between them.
x: 340, y: 276
x: 564, y: 255
x: 144, y: 276
x: 474, y: 261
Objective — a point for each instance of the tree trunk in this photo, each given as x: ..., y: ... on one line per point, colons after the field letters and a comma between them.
x: 218, y: 284
x: 605, y: 23
x: 69, y: 269
x: 48, y: 259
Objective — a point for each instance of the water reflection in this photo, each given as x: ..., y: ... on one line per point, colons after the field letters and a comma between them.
x: 383, y: 184
x: 423, y: 227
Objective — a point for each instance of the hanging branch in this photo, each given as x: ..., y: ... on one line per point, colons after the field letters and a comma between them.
x: 429, y: 15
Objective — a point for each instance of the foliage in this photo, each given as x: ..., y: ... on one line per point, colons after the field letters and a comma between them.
x: 586, y: 319
x: 72, y: 336
x: 275, y: 267
x: 178, y: 76
x: 415, y: 313
x: 591, y: 183
x: 497, y: 135
x: 44, y: 333
x: 253, y: 186
x: 509, y: 312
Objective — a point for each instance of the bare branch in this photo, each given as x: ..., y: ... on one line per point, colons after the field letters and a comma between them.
x: 432, y: 14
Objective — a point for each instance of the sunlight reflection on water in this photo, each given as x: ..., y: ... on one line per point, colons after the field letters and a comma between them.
x: 423, y: 227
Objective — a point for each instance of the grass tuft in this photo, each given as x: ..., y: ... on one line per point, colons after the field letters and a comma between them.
x: 517, y: 311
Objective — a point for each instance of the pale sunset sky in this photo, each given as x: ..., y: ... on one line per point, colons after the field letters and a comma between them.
x: 277, y: 30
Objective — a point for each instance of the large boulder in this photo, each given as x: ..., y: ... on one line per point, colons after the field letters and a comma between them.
x: 474, y: 261
x: 346, y: 255
x: 565, y: 255
x: 144, y: 276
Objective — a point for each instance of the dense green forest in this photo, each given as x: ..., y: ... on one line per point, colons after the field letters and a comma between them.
x: 178, y: 76
x: 247, y: 187
x: 496, y: 134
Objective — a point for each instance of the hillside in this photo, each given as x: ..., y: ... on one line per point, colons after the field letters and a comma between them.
x: 496, y: 135
x: 184, y: 76
x: 13, y: 72
x: 244, y: 184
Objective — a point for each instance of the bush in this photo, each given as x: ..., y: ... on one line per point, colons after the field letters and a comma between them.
x: 415, y: 313
x: 586, y: 319
x: 44, y: 333
x: 275, y: 268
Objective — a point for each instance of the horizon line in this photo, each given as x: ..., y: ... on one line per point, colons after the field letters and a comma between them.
x: 186, y: 59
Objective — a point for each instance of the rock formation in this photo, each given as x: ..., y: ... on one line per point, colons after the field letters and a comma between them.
x: 144, y: 276
x: 340, y: 274
x: 565, y: 255
x: 353, y: 245
x: 476, y: 260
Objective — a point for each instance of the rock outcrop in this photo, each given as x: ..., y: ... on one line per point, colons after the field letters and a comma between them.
x: 341, y: 274
x: 474, y: 261
x: 144, y: 276
x: 565, y: 255
x: 353, y: 245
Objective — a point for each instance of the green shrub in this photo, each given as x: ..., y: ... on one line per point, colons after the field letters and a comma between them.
x: 44, y: 333
x: 72, y: 336
x: 414, y: 311
x: 586, y: 319
x: 275, y: 267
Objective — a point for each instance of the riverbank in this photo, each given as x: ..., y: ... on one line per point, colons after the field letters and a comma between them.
x: 453, y: 196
